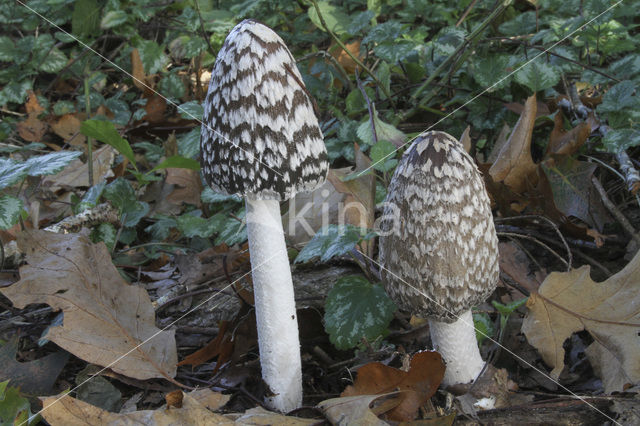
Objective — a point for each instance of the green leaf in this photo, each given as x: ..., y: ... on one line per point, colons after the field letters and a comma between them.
x: 11, y: 172
x: 106, y: 233
x: 15, y: 92
x: 90, y: 198
x: 331, y: 241
x: 160, y: 229
x: 85, y: 17
x: 231, y: 230
x: 54, y: 62
x: 356, y: 309
x: 106, y: 132
x: 524, y: 23
x: 382, y: 156
x: 617, y: 140
x: 191, y: 110
x: 189, y: 143
x: 484, y: 327
x: 63, y: 107
x: 50, y: 164
x: 113, y: 18
x: 384, y: 131
x: 487, y: 71
x: 510, y: 307
x: 172, y: 86
x: 14, y: 408
x: 193, y: 226
x: 10, y: 209
x: 7, y: 49
x: 179, y: 162
x: 152, y: 56
x: 336, y: 18
x: 123, y: 197
x: 619, y: 97
x: 210, y: 196
x: 538, y: 75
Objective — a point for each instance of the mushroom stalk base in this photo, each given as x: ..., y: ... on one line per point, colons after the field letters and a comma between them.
x: 457, y: 344
x: 275, y: 305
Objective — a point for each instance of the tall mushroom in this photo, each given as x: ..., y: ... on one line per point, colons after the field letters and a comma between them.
x: 439, y: 248
x: 261, y: 139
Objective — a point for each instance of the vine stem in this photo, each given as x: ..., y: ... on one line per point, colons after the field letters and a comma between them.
x: 348, y: 52
x: 87, y: 106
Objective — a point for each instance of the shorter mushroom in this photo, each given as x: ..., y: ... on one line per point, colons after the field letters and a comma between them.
x: 438, y: 247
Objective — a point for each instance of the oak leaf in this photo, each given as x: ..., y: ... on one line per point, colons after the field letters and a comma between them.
x: 107, y: 321
x: 569, y: 302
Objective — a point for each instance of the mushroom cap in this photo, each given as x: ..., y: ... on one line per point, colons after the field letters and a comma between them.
x: 260, y: 137
x: 437, y: 231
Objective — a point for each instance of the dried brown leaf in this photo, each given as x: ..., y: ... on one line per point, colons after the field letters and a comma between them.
x: 68, y: 128
x: 514, y: 165
x: 188, y: 186
x: 32, y: 129
x: 351, y: 410
x: 567, y: 142
x: 76, y: 174
x: 569, y: 302
x: 33, y: 106
x: 107, y: 321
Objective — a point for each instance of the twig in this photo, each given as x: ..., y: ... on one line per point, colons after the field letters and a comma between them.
x: 87, y: 106
x: 614, y: 211
x: 537, y: 241
x: 348, y: 52
x: 370, y: 107
x: 204, y: 34
x: 466, y: 12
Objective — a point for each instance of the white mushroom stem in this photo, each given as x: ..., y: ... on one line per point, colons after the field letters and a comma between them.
x: 275, y: 306
x: 457, y: 344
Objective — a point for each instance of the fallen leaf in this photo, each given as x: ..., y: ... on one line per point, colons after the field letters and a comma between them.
x: 188, y: 186
x: 569, y: 302
x: 343, y: 57
x: 32, y: 129
x: 140, y: 79
x: 68, y: 128
x: 515, y: 263
x: 76, y: 174
x: 35, y: 377
x: 221, y: 347
x: 514, y: 165
x: 567, y: 142
x: 33, y: 106
x: 68, y: 411
x: 155, y: 107
x: 106, y: 320
x: 210, y: 399
x: 416, y: 386
x: 351, y: 410
x: 260, y: 416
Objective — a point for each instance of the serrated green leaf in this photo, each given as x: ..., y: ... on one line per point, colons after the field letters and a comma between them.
x: 152, y: 56
x: 63, y: 107
x: 619, y: 97
x: 626, y: 67
x: 123, y: 197
x: 356, y: 309
x: 179, y: 162
x: 90, y: 198
x: 189, y: 143
x: 15, y: 92
x: 210, y: 196
x: 106, y: 233
x: 172, y: 86
x: 85, y: 17
x: 191, y: 110
x: 106, y: 132
x: 617, y: 140
x: 10, y: 209
x: 387, y: 32
x: 487, y: 71
x: 113, y: 18
x: 11, y: 172
x: 524, y: 23
x: 232, y: 231
x: 194, y: 226
x: 336, y: 18
x: 331, y: 241
x: 384, y: 131
x: 50, y: 164
x: 54, y: 62
x: 538, y: 76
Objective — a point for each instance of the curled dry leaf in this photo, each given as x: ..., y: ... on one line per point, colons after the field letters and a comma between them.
x: 106, y: 320
x: 514, y: 165
x: 416, y: 386
x: 569, y: 302
x: 567, y: 142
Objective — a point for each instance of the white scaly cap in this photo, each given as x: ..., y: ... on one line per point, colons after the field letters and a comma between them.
x: 260, y: 137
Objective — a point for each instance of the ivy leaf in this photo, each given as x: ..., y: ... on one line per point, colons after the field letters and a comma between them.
x: 336, y: 18
x: 538, y: 76
x: 356, y: 309
x: 113, y: 18
x: 179, y: 162
x: 106, y: 132
x: 10, y: 209
x: 50, y: 164
x: 331, y: 241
